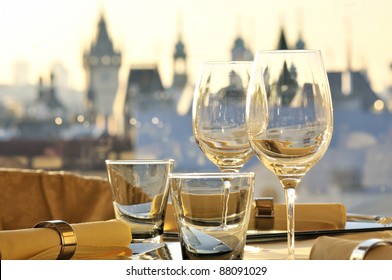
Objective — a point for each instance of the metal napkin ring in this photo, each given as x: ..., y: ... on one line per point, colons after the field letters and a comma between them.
x: 364, y: 247
x: 67, y: 237
x: 264, y: 213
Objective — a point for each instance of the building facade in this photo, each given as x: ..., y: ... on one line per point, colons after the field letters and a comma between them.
x: 101, y: 63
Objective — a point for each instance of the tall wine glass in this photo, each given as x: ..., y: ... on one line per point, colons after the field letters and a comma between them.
x: 289, y: 118
x: 218, y: 114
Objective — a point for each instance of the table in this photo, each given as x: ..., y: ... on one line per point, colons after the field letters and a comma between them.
x: 171, y: 250
x: 272, y: 250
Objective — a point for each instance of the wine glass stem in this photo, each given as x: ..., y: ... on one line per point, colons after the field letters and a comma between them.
x: 290, y: 201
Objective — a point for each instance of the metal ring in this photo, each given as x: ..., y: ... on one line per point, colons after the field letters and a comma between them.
x: 359, y: 252
x: 67, y: 237
x: 264, y: 213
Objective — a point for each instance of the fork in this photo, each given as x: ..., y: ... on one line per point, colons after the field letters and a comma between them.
x: 383, y: 220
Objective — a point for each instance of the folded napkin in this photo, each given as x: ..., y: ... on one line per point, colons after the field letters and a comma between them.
x: 95, y: 240
x: 210, y: 205
x: 206, y: 207
x: 340, y: 248
x: 307, y: 216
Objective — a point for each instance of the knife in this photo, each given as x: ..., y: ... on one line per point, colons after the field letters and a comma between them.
x: 311, y: 234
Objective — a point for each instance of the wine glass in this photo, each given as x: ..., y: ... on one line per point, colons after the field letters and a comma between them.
x: 289, y: 118
x: 218, y: 113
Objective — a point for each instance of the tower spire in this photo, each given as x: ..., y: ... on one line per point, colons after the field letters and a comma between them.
x: 347, y: 24
x: 300, y: 45
x: 180, y: 76
x: 282, y: 43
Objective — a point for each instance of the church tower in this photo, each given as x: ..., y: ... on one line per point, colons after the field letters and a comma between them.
x: 180, y: 72
x: 101, y: 63
x: 240, y: 52
x: 180, y: 76
x: 300, y: 44
x: 282, y: 43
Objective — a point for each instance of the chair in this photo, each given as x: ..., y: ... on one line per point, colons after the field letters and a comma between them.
x: 30, y: 196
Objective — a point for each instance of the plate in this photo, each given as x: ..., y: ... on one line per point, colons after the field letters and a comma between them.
x: 257, y: 236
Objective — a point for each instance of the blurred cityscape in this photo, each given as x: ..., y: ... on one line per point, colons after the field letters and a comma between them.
x: 49, y: 126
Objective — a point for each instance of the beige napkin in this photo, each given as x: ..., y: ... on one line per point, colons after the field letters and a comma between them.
x: 307, y: 216
x: 95, y: 240
x: 340, y: 248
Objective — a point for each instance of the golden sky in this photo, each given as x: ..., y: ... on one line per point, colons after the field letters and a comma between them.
x: 42, y: 33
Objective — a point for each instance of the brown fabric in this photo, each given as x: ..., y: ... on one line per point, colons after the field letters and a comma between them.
x: 30, y: 196
x: 319, y: 216
x: 340, y: 248
x: 308, y: 216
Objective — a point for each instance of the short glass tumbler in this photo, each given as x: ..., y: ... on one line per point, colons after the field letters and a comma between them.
x: 212, y: 212
x: 140, y: 190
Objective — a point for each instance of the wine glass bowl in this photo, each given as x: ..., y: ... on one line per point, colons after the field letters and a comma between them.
x: 218, y: 113
x: 289, y: 118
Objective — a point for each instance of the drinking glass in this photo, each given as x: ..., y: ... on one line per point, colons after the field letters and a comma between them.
x: 212, y: 223
x: 140, y: 190
x: 218, y: 113
x: 289, y: 118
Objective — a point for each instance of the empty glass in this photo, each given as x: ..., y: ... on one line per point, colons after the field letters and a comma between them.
x: 218, y: 113
x: 289, y: 118
x: 140, y: 191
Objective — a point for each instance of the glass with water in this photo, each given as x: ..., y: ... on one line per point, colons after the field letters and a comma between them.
x: 212, y: 219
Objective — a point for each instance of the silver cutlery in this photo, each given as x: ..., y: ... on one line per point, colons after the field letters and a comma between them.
x: 380, y: 219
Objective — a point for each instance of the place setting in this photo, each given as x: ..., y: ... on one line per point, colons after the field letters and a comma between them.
x: 277, y: 108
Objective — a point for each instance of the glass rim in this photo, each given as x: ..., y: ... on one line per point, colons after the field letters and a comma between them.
x: 139, y: 161
x: 211, y: 175
x: 228, y: 62
x: 289, y: 51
